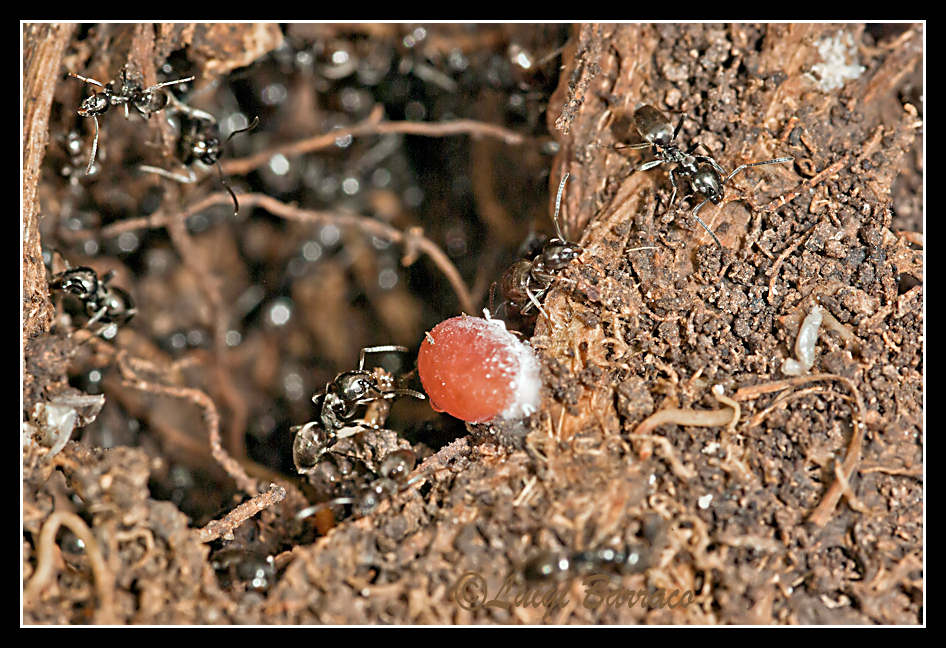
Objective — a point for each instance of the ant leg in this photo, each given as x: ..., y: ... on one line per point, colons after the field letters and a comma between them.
x: 167, y: 83
x: 384, y: 348
x: 648, y: 165
x: 633, y: 147
x: 673, y: 182
x: 535, y: 302
x: 196, y: 113
x: 700, y: 221
x: 709, y: 158
x: 309, y: 511
x: 190, y: 178
x: 86, y: 79
x: 95, y: 145
x: 753, y: 164
x: 676, y: 130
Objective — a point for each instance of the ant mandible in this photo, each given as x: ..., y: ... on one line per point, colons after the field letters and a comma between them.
x: 701, y: 172
x: 526, y: 281
x: 338, y: 406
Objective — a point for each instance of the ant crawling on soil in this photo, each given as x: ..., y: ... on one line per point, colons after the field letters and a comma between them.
x: 129, y: 91
x: 557, y: 565
x: 200, y: 142
x: 527, y: 281
x: 701, y: 173
x: 338, y: 407
x: 395, y: 468
x: 100, y: 302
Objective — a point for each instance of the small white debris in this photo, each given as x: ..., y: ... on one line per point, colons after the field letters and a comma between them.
x: 704, y: 502
x: 710, y: 448
x: 840, y: 65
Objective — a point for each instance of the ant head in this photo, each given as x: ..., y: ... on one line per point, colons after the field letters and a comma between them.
x: 706, y: 181
x: 558, y: 253
x: 81, y: 282
x: 95, y: 104
x: 356, y: 387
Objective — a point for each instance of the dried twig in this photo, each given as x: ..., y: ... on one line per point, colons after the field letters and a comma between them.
x: 202, y: 400
x: 412, y: 239
x: 216, y: 528
x: 373, y: 125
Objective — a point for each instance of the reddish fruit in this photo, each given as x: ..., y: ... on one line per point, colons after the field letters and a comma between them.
x: 474, y: 369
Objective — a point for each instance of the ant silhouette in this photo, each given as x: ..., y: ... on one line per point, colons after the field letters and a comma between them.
x: 129, y: 91
x: 200, y: 142
x: 701, y: 173
x: 525, y: 281
x: 551, y: 565
x: 337, y: 407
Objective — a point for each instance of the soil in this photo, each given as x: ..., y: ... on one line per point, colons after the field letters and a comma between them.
x: 671, y: 456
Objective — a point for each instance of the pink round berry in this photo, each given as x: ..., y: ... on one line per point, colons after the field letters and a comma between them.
x: 474, y: 369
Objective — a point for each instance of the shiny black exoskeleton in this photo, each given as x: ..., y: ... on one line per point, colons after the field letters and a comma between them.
x: 338, y: 407
x: 129, y: 91
x: 701, y: 173
x: 560, y: 565
x: 98, y: 301
x: 394, y: 472
x: 525, y: 282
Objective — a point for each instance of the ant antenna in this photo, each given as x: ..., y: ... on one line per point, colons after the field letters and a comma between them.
x: 558, y: 205
x: 253, y: 124
x: 226, y: 185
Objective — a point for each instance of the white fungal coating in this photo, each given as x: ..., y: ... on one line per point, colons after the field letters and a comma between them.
x: 840, y: 63
x: 805, y: 344
x: 523, y: 366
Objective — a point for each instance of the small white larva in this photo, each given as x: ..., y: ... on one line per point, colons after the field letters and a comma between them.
x: 805, y: 344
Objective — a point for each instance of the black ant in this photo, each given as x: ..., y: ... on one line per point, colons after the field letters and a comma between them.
x: 338, y: 406
x: 395, y: 469
x: 100, y: 302
x: 525, y: 282
x: 200, y: 142
x: 558, y: 565
x: 701, y: 172
x: 129, y: 92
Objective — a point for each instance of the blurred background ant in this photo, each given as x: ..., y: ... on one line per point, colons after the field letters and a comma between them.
x: 699, y: 174
x: 551, y: 565
x: 199, y: 142
x: 83, y: 293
